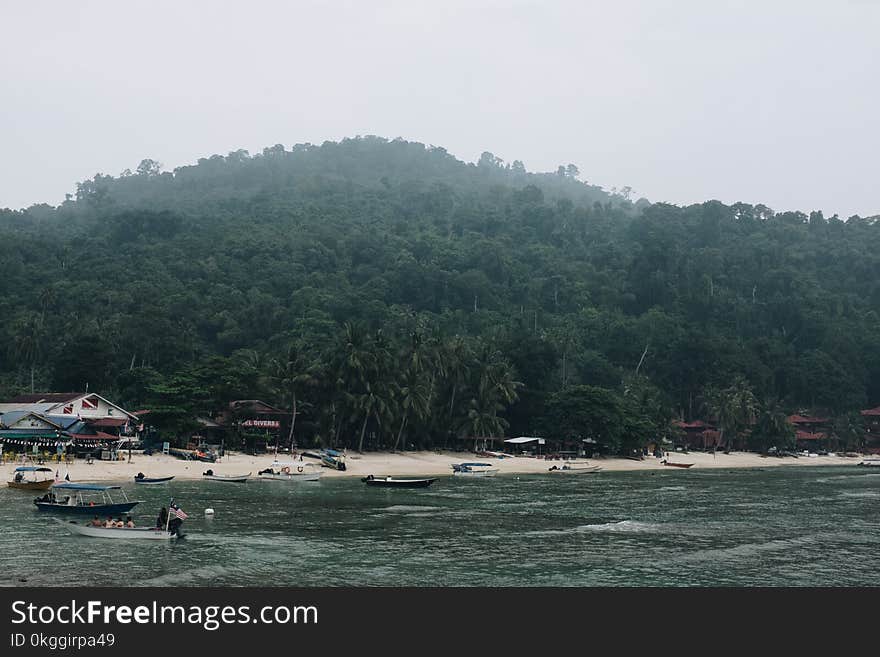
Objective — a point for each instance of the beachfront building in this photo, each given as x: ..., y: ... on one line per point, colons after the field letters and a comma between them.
x: 697, y: 435
x: 811, y: 433
x: 54, y: 422
x: 259, y: 426
x: 530, y: 445
x: 871, y: 418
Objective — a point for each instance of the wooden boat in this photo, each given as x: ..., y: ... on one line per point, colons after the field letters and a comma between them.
x: 330, y: 458
x: 67, y: 497
x: 474, y: 470
x: 141, y: 479
x: 236, y: 479
x: 21, y: 481
x: 125, y: 533
x: 392, y: 482
x: 576, y: 467
x: 677, y: 465
x: 291, y: 471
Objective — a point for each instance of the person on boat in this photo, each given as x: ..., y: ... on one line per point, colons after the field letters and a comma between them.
x: 139, y: 475
x: 174, y: 526
x: 118, y: 523
x: 96, y: 522
x: 129, y: 522
x: 18, y: 477
x: 162, y: 519
x: 109, y: 522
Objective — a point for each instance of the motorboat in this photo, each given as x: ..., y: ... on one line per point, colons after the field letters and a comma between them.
x: 291, y: 471
x: 141, y: 479
x: 397, y: 482
x: 30, y: 477
x: 236, y: 479
x: 676, y: 465
x: 126, y: 533
x: 576, y: 467
x: 474, y: 470
x: 67, y: 497
x: 330, y: 458
x: 870, y: 461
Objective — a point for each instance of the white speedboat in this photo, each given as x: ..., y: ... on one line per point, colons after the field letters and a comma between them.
x: 872, y: 461
x: 291, y: 471
x: 237, y: 479
x: 474, y: 470
x: 126, y: 533
x: 576, y: 467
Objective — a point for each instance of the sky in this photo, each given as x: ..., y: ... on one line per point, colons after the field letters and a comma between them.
x: 764, y: 101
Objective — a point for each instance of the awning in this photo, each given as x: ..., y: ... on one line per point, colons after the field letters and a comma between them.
x: 522, y: 440
x: 107, y: 421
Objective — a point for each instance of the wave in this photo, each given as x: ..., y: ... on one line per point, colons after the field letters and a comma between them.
x: 621, y: 526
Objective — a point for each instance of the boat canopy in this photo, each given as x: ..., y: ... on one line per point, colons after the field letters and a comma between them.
x: 72, y: 486
x: 475, y: 465
x: 32, y: 468
x: 524, y: 439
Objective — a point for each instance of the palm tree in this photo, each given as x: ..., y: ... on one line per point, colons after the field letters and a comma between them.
x: 733, y: 407
x: 413, y: 397
x: 289, y: 374
x: 373, y: 402
x: 29, y: 342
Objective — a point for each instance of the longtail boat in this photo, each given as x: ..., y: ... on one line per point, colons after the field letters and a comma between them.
x: 392, y: 482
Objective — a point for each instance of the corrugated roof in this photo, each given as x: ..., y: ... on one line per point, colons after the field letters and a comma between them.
x: 41, y: 397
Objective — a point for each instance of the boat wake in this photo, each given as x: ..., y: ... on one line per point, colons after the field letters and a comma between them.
x: 621, y: 526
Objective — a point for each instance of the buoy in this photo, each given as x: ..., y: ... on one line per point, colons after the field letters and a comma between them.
x: 209, y: 512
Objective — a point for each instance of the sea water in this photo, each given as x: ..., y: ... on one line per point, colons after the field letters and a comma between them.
x: 797, y: 526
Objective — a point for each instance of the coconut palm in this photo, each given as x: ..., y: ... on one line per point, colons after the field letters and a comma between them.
x: 733, y: 407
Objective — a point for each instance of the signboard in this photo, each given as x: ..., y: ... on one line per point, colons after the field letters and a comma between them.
x: 266, y: 424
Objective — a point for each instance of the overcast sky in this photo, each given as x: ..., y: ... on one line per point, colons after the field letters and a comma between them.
x: 765, y: 102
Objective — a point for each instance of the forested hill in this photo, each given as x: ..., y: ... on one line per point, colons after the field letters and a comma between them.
x: 424, y: 297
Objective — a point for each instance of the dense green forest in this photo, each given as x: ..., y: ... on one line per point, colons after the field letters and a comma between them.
x: 395, y: 295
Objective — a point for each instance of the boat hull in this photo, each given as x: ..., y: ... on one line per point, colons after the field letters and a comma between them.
x: 583, y: 470
x: 231, y: 479
x: 31, y: 485
x: 475, y: 473
x: 118, y: 533
x: 147, y: 481
x: 679, y: 465
x: 293, y: 476
x: 85, y: 509
x: 398, y: 483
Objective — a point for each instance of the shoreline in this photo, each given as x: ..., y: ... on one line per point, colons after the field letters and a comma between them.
x: 403, y: 464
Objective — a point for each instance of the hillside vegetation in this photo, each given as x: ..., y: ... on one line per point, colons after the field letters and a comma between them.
x: 393, y: 294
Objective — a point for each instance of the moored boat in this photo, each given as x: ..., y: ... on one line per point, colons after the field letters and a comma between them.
x: 474, y: 470
x: 236, y: 479
x: 677, y: 465
x: 870, y: 461
x: 576, y: 467
x: 75, y: 501
x: 39, y: 479
x: 394, y: 482
x: 330, y: 458
x: 291, y: 471
x: 125, y: 533
x: 141, y: 479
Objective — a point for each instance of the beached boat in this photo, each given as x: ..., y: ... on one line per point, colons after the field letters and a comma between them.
x: 67, y: 497
x: 236, y: 479
x: 474, y: 470
x: 291, y: 471
x: 141, y: 479
x: 330, y: 458
x: 394, y: 482
x: 576, y: 467
x: 29, y: 477
x: 871, y: 461
x: 677, y: 465
x: 125, y: 533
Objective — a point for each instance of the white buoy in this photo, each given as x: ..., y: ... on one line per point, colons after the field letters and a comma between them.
x: 209, y: 513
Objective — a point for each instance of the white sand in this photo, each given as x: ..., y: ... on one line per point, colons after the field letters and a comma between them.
x: 406, y: 463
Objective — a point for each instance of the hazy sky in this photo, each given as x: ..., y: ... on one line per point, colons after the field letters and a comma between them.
x: 765, y: 102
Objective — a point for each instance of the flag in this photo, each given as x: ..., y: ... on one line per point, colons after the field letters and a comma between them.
x: 178, y: 512
x: 90, y: 403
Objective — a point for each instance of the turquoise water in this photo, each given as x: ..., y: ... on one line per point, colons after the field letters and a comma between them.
x: 804, y: 526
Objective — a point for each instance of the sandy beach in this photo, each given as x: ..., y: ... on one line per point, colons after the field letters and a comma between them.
x: 406, y: 463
